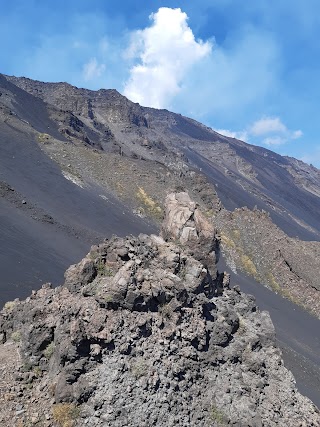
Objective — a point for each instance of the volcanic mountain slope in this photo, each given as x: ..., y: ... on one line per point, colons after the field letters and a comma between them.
x: 111, y: 149
x: 53, y: 210
x: 145, y: 333
x: 77, y: 166
x: 244, y: 175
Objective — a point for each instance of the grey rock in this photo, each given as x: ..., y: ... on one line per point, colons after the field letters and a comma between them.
x: 154, y: 339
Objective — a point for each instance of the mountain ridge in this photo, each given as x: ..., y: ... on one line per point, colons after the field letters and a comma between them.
x: 295, y: 192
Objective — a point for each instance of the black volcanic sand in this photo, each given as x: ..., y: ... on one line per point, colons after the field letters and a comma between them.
x: 51, y: 222
x: 297, y: 332
x: 32, y: 253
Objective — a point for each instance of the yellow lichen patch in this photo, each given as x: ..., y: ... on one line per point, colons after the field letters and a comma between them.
x: 280, y: 290
x: 43, y: 137
x: 120, y: 188
x: 65, y: 414
x: 248, y: 266
x: 235, y: 234
x: 149, y: 204
x: 9, y: 305
x: 273, y: 283
x: 225, y: 240
x: 147, y: 200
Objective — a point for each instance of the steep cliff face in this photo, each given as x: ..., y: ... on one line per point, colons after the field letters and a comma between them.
x: 146, y: 331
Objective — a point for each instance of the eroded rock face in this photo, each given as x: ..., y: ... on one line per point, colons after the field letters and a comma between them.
x: 144, y: 333
x: 184, y: 222
x: 186, y: 225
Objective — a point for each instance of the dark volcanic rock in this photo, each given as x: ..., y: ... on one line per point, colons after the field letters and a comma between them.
x: 139, y: 336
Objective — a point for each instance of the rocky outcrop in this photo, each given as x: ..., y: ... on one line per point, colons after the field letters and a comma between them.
x: 140, y: 336
x: 185, y: 224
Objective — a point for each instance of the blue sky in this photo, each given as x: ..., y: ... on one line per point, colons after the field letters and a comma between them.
x: 250, y: 69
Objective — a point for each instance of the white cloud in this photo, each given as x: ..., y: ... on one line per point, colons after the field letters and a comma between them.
x: 297, y: 134
x: 93, y: 69
x: 242, y: 135
x: 267, y: 125
x: 274, y: 140
x: 274, y: 131
x: 166, y: 50
x: 238, y: 74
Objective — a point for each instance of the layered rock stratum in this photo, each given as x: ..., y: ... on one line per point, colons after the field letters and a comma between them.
x: 146, y: 331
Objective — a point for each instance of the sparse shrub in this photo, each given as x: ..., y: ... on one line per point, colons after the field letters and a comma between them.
x: 108, y: 297
x: 139, y: 368
x: 103, y: 269
x: 93, y: 255
x: 26, y: 367
x: 9, y: 305
x: 108, y: 272
x: 242, y: 325
x: 182, y: 273
x: 65, y: 414
x: 248, y: 266
x: 43, y: 137
x: 37, y: 371
x: 16, y: 336
x: 217, y: 416
x: 48, y: 351
x: 209, y: 213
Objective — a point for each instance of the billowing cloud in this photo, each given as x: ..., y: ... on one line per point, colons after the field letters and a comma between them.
x: 239, y: 73
x: 166, y: 50
x: 93, y: 69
